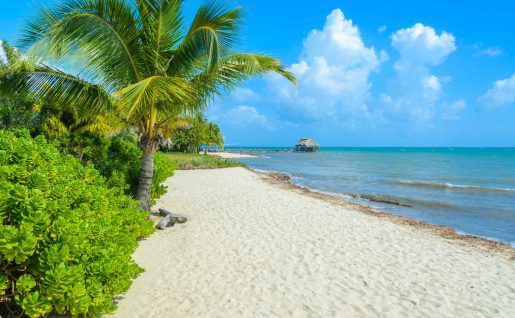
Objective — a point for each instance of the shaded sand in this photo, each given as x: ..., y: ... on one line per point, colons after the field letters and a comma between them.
x: 256, y: 249
x: 231, y: 155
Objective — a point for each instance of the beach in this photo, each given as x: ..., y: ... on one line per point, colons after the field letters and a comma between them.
x: 253, y: 247
x: 230, y: 155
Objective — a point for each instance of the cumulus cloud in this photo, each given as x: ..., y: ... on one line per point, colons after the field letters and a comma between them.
x: 242, y: 94
x: 491, y: 51
x: 333, y: 73
x: 481, y: 50
x: 420, y: 43
x: 415, y: 90
x: 502, y: 93
x: 243, y: 116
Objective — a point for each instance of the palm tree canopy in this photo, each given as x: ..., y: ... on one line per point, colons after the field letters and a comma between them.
x: 139, y: 55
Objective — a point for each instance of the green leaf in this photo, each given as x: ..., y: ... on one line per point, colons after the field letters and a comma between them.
x: 36, y: 306
x: 25, y: 283
x: 4, y: 283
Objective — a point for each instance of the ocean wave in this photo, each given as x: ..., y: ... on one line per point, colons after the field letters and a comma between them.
x: 407, y: 202
x: 388, y: 199
x: 447, y: 185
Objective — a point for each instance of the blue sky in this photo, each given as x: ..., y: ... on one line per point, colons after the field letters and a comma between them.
x: 371, y: 73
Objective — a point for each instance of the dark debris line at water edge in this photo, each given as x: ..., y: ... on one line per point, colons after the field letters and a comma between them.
x: 468, y: 189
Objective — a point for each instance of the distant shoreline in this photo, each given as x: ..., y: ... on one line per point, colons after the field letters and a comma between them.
x: 230, y: 155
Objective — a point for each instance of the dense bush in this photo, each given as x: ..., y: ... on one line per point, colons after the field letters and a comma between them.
x: 118, y: 160
x: 163, y: 169
x: 199, y: 132
x: 66, y: 237
x: 184, y: 140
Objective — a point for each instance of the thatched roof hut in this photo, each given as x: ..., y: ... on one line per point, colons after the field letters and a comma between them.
x: 307, y: 145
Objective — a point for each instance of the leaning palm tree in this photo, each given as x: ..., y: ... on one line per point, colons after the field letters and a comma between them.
x: 138, y: 59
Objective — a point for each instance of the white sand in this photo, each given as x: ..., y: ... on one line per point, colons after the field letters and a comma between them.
x: 252, y: 249
x: 231, y: 155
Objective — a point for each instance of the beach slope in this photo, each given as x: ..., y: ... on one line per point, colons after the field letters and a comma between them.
x: 255, y: 249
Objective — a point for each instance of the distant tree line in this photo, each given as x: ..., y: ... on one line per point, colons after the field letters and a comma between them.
x: 197, y: 134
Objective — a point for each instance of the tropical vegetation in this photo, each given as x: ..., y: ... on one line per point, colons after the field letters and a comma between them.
x: 19, y: 108
x: 100, y: 87
x: 66, y: 236
x: 117, y: 158
x: 137, y: 58
x: 199, y: 132
x: 187, y: 161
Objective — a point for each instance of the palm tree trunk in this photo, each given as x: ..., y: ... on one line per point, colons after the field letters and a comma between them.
x: 145, y: 179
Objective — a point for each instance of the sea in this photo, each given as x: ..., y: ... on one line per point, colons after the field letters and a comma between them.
x: 469, y: 189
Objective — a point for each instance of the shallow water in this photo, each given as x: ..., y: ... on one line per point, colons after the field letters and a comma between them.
x: 469, y: 189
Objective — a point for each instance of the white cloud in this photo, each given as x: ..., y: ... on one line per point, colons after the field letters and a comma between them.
x: 491, y: 51
x: 242, y: 94
x: 3, y: 58
x: 502, y: 93
x: 481, y: 50
x: 382, y: 29
x: 420, y: 43
x: 242, y: 116
x: 333, y: 73
x: 414, y: 90
x: 451, y: 111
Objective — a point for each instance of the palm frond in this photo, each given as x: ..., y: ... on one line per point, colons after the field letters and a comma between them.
x: 153, y: 93
x: 97, y: 38
x: 99, y: 125
x: 232, y: 71
x: 248, y: 65
x: 54, y: 127
x: 162, y: 30
x: 167, y: 128
x: 213, y: 34
x: 54, y: 86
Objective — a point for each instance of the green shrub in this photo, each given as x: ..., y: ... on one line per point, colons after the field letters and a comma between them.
x: 214, y: 162
x: 163, y: 169
x: 66, y: 238
x: 118, y: 160
x: 196, y: 161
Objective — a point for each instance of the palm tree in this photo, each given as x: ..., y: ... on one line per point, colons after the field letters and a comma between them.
x: 137, y: 58
x: 20, y: 110
x: 213, y: 136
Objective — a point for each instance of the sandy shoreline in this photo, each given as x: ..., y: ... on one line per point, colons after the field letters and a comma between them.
x: 252, y: 248
x: 231, y: 155
x: 487, y: 245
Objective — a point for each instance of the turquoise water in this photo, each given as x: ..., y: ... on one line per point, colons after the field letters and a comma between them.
x: 469, y: 189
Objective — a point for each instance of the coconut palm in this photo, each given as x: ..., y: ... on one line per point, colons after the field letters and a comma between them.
x: 19, y: 109
x: 212, y: 136
x: 138, y: 59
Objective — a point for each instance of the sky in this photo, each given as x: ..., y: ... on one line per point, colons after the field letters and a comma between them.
x: 370, y: 73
